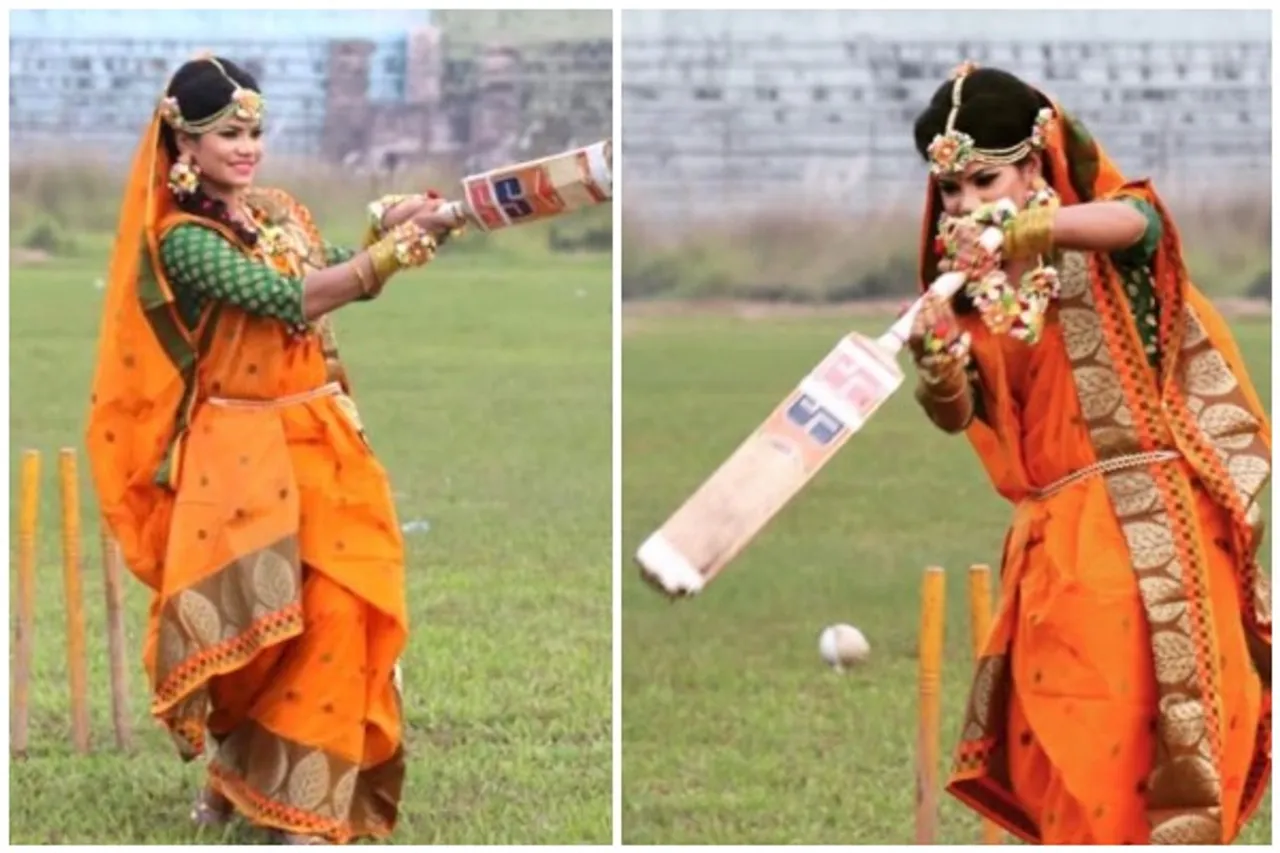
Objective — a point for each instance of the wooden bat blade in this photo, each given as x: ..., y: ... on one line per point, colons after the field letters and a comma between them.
x: 767, y: 470
x: 810, y: 426
x: 540, y: 189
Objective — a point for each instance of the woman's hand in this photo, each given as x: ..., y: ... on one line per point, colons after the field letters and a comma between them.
x: 941, y: 352
x: 418, y: 208
x: 429, y: 215
x: 961, y: 250
x: 934, y: 329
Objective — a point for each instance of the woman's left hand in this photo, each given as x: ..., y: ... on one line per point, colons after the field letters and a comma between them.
x: 409, y: 207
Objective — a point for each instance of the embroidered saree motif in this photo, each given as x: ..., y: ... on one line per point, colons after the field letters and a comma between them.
x: 1155, y: 510
x: 218, y: 624
x: 281, y: 782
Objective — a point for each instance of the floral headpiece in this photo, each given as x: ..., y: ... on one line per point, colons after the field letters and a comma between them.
x: 952, y: 152
x: 244, y: 105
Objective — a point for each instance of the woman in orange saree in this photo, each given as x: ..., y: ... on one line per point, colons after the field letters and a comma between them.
x: 231, y: 467
x: 1124, y: 693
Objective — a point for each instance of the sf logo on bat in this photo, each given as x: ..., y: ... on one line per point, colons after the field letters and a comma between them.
x: 855, y: 379
x: 504, y: 200
x: 809, y: 416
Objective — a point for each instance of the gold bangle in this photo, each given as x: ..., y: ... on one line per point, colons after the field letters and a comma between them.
x: 952, y: 413
x: 933, y: 398
x: 1029, y: 234
x: 364, y: 282
x: 937, y: 385
x: 937, y: 371
x: 382, y: 256
x: 406, y: 245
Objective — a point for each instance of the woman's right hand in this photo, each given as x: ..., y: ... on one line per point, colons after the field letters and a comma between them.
x: 935, y: 326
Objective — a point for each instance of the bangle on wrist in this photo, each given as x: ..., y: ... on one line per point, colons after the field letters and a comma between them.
x: 1029, y: 234
x: 405, y: 246
x: 937, y: 368
x: 950, y: 398
x: 943, y: 376
x: 366, y: 289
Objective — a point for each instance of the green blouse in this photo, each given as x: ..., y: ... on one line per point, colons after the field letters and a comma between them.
x: 1134, y: 266
x: 204, y: 267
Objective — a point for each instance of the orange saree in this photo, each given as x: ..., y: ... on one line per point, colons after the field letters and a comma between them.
x: 231, y: 468
x: 1124, y: 693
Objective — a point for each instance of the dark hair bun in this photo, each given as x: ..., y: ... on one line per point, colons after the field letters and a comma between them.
x: 202, y: 90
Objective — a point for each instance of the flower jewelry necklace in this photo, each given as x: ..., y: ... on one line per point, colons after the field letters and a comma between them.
x: 1018, y: 311
x: 275, y: 245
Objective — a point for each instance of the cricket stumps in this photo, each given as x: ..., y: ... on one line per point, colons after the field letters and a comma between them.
x: 72, y: 575
x: 933, y: 606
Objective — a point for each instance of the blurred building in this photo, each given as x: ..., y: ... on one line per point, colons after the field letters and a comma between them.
x: 366, y: 88
x: 722, y: 109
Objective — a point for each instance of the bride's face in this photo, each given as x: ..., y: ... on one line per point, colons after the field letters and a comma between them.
x: 982, y: 183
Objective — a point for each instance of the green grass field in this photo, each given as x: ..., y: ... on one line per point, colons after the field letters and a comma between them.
x: 485, y: 386
x: 734, y: 732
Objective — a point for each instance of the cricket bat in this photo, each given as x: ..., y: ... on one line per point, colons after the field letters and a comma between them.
x: 537, y: 189
x: 775, y: 462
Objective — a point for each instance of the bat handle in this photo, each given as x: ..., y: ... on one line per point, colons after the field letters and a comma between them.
x: 458, y: 210
x: 944, y: 286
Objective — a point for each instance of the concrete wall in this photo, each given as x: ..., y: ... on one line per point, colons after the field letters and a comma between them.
x: 724, y: 110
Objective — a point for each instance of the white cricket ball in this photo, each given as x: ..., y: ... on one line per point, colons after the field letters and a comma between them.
x: 843, y: 646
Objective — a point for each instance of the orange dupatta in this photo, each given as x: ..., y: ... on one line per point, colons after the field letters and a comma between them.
x: 144, y: 373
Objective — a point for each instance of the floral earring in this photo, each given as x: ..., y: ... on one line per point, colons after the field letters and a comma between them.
x: 184, y: 178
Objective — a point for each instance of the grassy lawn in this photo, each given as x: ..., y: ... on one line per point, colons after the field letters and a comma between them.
x: 484, y: 382
x: 734, y: 732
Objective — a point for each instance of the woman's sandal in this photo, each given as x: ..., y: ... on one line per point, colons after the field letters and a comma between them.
x: 211, y: 809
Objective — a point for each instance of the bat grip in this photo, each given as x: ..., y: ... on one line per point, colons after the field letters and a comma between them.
x: 458, y: 210
x: 944, y: 286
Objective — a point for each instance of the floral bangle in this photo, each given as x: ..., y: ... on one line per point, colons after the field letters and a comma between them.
x: 414, y: 245
x: 405, y: 246
x: 377, y: 210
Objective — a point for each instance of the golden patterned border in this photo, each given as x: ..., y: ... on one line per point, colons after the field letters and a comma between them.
x: 1154, y: 506
x: 213, y: 627
x: 980, y: 772
x: 302, y: 789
